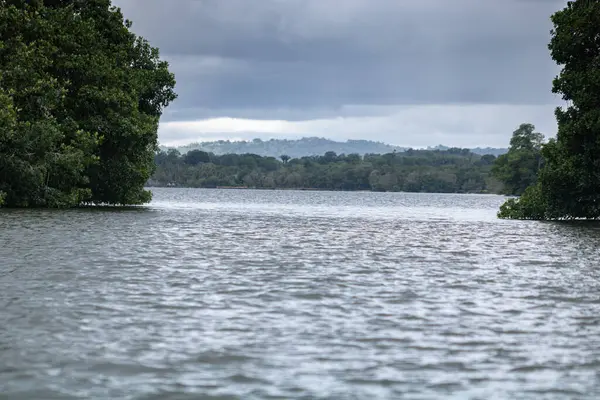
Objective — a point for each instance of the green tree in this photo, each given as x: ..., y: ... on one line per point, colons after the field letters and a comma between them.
x: 86, y: 95
x: 42, y: 161
x: 525, y: 138
x: 569, y: 182
x: 518, y: 168
x: 195, y: 157
x: 487, y: 159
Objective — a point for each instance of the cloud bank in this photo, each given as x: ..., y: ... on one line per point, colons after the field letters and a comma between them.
x: 411, y: 72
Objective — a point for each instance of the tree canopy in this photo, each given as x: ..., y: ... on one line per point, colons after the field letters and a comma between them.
x: 80, y: 101
x: 518, y: 168
x: 568, y: 185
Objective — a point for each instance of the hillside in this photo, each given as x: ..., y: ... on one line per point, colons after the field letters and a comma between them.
x: 309, y: 146
x: 294, y: 148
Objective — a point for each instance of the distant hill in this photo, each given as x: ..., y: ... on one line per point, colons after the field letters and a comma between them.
x: 310, y: 146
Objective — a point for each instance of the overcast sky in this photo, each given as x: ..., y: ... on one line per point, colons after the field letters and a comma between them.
x: 407, y: 72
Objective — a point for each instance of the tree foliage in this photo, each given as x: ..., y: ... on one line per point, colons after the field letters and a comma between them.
x: 451, y: 171
x: 569, y: 183
x: 80, y: 99
x: 518, y: 168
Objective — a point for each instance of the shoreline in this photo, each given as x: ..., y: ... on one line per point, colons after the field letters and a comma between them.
x: 312, y: 190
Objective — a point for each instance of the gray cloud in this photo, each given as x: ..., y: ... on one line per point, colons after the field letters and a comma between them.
x: 295, y: 59
x: 326, y: 52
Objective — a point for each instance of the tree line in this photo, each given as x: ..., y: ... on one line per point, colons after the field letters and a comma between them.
x: 450, y: 171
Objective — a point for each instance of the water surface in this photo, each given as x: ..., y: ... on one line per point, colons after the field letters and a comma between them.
x: 240, y: 294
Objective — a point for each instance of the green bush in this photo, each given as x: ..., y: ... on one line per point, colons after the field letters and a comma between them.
x: 530, y: 205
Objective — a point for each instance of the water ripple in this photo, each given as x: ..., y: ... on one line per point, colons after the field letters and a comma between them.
x: 297, y: 295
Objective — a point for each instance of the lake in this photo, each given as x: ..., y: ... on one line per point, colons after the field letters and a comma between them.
x: 246, y: 294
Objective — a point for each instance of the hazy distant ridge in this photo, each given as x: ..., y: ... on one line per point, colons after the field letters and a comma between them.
x: 309, y: 147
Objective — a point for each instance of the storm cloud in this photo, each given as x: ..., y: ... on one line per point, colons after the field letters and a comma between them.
x: 410, y: 72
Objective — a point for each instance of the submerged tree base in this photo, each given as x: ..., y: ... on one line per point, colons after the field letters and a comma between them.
x: 530, y: 206
x: 76, y: 199
x: 536, y: 205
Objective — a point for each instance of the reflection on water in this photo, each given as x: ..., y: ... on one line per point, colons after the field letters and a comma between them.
x: 283, y: 294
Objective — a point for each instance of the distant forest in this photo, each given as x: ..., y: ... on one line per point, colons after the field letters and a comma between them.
x: 311, y: 146
x: 445, y: 171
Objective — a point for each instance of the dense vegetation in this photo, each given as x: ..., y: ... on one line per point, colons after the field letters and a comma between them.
x: 568, y: 185
x: 450, y: 171
x: 518, y: 169
x: 80, y: 101
x: 309, y: 146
